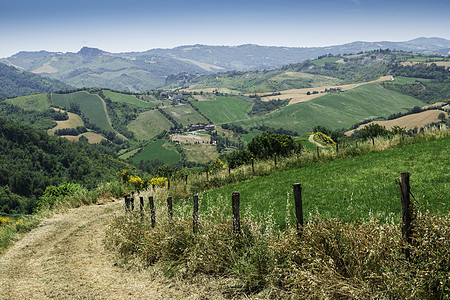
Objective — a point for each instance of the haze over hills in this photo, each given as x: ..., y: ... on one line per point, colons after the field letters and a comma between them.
x: 141, y: 71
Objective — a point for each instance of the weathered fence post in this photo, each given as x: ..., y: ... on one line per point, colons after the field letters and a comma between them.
x: 141, y: 200
x: 318, y: 155
x: 253, y: 165
x: 229, y: 168
x: 168, y: 183
x: 169, y: 207
x: 236, y: 213
x: 186, y: 179
x: 337, y: 148
x: 127, y: 204
x: 132, y: 203
x: 207, y: 176
x: 275, y: 159
x: 152, y: 211
x: 407, y: 209
x: 195, y: 214
x: 298, y: 206
x: 356, y: 142
x: 373, y: 141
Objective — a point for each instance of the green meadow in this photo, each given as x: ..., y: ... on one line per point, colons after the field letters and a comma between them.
x: 224, y: 109
x: 158, y: 150
x: 129, y: 99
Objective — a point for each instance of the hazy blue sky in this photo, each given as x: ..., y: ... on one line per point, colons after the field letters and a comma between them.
x: 132, y: 25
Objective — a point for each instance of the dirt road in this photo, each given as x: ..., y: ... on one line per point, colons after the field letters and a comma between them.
x: 64, y: 258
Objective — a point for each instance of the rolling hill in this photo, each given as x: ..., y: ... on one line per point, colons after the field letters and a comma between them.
x: 141, y: 71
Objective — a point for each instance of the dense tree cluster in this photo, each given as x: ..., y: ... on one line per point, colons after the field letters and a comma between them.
x: 14, y: 82
x: 262, y: 107
x: 32, y: 160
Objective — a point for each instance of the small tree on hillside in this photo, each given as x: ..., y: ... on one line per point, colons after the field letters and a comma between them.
x: 442, y: 117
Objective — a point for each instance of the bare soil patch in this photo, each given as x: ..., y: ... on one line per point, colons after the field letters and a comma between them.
x: 65, y: 258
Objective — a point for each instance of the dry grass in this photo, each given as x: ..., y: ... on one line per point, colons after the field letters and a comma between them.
x: 73, y: 121
x: 408, y: 122
x: 438, y: 63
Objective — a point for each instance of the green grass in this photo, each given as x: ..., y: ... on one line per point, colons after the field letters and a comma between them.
x: 337, y: 111
x: 321, y: 62
x: 91, y: 106
x: 224, y: 109
x: 249, y: 136
x: 38, y: 102
x: 130, y: 99
x: 148, y: 124
x: 158, y: 150
x: 348, y: 188
x: 185, y: 114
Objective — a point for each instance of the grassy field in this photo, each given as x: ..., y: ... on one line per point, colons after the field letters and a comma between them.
x: 348, y: 188
x: 73, y: 121
x: 91, y: 106
x: 184, y: 114
x: 321, y: 62
x: 148, y: 124
x: 337, y: 111
x: 408, y: 80
x: 37, y: 102
x: 130, y: 99
x: 158, y: 150
x: 224, y: 109
x: 200, y: 153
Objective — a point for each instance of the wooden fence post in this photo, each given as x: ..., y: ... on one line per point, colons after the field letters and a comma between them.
x: 169, y: 207
x: 236, y: 213
x: 141, y: 200
x: 253, y: 165
x: 152, y: 211
x: 127, y: 204
x: 373, y: 141
x: 356, y: 142
x: 168, y: 183
x: 407, y: 209
x: 337, y: 148
x: 207, y: 176
x: 275, y: 159
x: 318, y: 155
x: 186, y: 179
x: 298, y: 206
x: 132, y: 203
x: 195, y: 214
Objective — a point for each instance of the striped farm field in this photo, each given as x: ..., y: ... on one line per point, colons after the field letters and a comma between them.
x: 410, y: 121
x: 224, y: 109
x: 340, y: 110
x: 159, y: 149
x: 90, y: 105
x: 148, y: 124
x: 184, y: 114
x: 125, y: 98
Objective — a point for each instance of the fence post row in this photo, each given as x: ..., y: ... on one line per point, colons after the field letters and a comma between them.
x: 407, y: 209
x: 236, y: 213
x: 152, y: 211
x: 195, y: 215
x: 298, y: 205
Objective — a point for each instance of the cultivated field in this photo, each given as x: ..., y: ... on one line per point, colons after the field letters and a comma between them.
x: 335, y: 111
x: 184, y: 114
x: 37, y: 102
x: 148, y: 124
x: 159, y: 149
x: 125, y: 98
x: 73, y: 121
x: 300, y: 95
x: 408, y: 122
x: 438, y: 63
x: 200, y: 153
x: 224, y: 109
x: 90, y: 105
x: 191, y: 138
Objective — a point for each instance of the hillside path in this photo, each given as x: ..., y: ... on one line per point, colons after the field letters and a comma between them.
x: 64, y: 258
x: 311, y: 140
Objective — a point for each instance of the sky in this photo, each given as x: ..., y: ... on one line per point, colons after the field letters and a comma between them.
x: 133, y: 25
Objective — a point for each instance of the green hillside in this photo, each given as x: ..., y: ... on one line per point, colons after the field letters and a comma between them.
x: 157, y: 150
x: 90, y: 106
x: 148, y: 124
x: 184, y: 114
x: 349, y: 188
x: 37, y: 102
x: 337, y: 110
x: 126, y: 98
x: 224, y: 109
x: 14, y: 82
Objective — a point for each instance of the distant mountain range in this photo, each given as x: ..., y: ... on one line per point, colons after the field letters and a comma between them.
x: 141, y: 71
